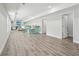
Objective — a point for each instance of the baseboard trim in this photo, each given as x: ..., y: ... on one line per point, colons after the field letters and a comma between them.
x: 54, y: 36
x: 75, y: 41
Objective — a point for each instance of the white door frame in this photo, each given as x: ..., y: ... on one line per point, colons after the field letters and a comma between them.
x: 44, y: 26
x: 64, y: 26
x: 67, y: 14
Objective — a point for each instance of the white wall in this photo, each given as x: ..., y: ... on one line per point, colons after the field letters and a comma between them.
x: 53, y: 26
x: 76, y: 24
x: 3, y: 27
x: 54, y: 23
x: 8, y: 24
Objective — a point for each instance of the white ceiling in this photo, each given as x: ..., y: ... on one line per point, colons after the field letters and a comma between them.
x: 30, y: 10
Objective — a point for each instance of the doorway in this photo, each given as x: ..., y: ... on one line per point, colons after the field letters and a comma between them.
x: 67, y: 26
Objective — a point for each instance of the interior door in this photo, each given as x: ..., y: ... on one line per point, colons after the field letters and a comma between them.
x: 64, y: 26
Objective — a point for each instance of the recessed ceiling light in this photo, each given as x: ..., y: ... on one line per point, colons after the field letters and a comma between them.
x: 23, y: 3
x: 49, y: 6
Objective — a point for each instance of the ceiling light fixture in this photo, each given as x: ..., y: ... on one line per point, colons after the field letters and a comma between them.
x: 23, y: 3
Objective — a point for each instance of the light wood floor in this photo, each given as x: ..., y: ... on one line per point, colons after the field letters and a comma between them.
x: 24, y: 44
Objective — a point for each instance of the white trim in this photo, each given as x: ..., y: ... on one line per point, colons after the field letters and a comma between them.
x: 54, y: 36
x: 76, y: 41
